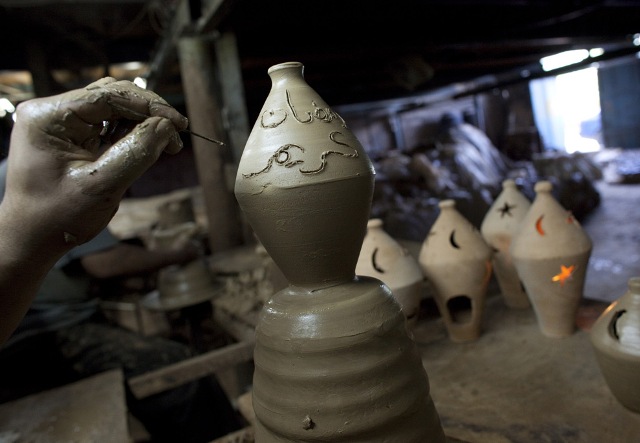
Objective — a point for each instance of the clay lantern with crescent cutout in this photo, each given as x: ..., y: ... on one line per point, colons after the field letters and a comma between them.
x: 615, y: 337
x: 382, y: 257
x: 457, y: 262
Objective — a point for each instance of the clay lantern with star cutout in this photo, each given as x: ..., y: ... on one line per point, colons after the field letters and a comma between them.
x: 500, y: 224
x: 551, y: 253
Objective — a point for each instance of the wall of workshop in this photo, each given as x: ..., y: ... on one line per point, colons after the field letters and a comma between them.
x: 619, y: 84
x: 504, y: 114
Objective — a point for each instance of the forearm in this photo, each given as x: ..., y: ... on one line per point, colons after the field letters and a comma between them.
x: 27, y: 253
x: 125, y: 260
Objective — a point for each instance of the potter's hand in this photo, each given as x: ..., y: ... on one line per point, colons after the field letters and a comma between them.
x: 60, y: 170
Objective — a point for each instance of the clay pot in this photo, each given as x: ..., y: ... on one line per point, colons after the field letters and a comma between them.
x: 615, y: 337
x: 551, y: 253
x: 185, y: 285
x: 499, y: 226
x: 384, y: 258
x: 181, y: 285
x: 457, y: 261
x: 333, y: 360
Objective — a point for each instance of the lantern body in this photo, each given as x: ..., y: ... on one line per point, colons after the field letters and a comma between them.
x: 498, y: 228
x: 384, y: 258
x: 457, y: 261
x: 333, y: 360
x: 551, y: 253
x: 615, y: 337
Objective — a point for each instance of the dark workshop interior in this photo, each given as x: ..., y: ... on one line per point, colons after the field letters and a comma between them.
x: 449, y: 98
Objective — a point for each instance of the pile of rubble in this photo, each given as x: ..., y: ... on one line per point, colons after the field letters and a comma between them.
x: 462, y: 164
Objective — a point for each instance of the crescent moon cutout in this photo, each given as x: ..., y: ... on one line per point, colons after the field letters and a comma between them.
x: 614, y: 321
x: 539, y: 225
x: 452, y: 240
x: 373, y: 262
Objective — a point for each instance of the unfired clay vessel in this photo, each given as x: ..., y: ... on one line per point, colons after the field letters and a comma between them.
x: 615, y: 337
x: 185, y: 284
x: 384, y: 258
x: 457, y: 261
x: 498, y: 228
x: 333, y: 360
x: 551, y: 253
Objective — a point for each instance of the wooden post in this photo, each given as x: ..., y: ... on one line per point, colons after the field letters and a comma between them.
x: 204, y: 109
x: 232, y: 93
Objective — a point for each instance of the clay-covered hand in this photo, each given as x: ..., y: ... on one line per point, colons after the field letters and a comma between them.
x: 65, y: 169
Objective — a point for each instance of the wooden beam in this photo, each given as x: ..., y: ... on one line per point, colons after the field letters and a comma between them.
x: 36, y: 3
x: 232, y: 89
x: 191, y: 369
x: 166, y: 46
x: 183, y: 25
x: 205, y: 108
x: 213, y: 12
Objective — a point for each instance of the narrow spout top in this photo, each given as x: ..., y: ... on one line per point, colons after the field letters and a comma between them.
x: 285, y: 65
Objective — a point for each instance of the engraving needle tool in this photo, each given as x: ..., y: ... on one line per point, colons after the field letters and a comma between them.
x: 141, y: 116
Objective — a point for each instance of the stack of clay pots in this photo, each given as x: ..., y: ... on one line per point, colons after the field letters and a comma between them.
x: 182, y: 285
x: 333, y: 359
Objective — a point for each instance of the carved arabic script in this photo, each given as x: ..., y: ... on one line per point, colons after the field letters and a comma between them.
x: 283, y: 157
x: 273, y: 118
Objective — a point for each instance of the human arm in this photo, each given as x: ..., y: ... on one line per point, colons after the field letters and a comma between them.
x: 125, y: 260
x: 64, y: 184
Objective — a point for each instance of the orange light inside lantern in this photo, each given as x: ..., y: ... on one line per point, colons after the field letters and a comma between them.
x: 565, y: 273
x: 539, y: 225
x: 570, y: 218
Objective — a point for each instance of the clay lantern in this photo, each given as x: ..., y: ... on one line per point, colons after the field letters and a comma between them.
x: 615, y: 337
x: 384, y: 258
x: 499, y: 225
x: 551, y: 253
x: 457, y: 261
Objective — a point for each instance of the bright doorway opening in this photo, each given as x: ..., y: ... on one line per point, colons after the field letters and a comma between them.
x: 566, y: 110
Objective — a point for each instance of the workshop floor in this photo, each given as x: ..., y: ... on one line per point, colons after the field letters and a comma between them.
x: 614, y: 228
x: 513, y: 384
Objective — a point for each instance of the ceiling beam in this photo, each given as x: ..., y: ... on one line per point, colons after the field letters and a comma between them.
x: 184, y: 23
x: 36, y: 3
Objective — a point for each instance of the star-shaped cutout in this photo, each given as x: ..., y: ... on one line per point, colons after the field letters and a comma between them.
x: 506, y: 210
x: 565, y: 273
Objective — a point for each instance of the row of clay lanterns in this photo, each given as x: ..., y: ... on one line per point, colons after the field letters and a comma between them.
x: 539, y: 244
x: 543, y: 246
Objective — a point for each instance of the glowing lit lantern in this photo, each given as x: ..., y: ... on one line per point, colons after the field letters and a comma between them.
x: 551, y: 254
x: 499, y: 226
